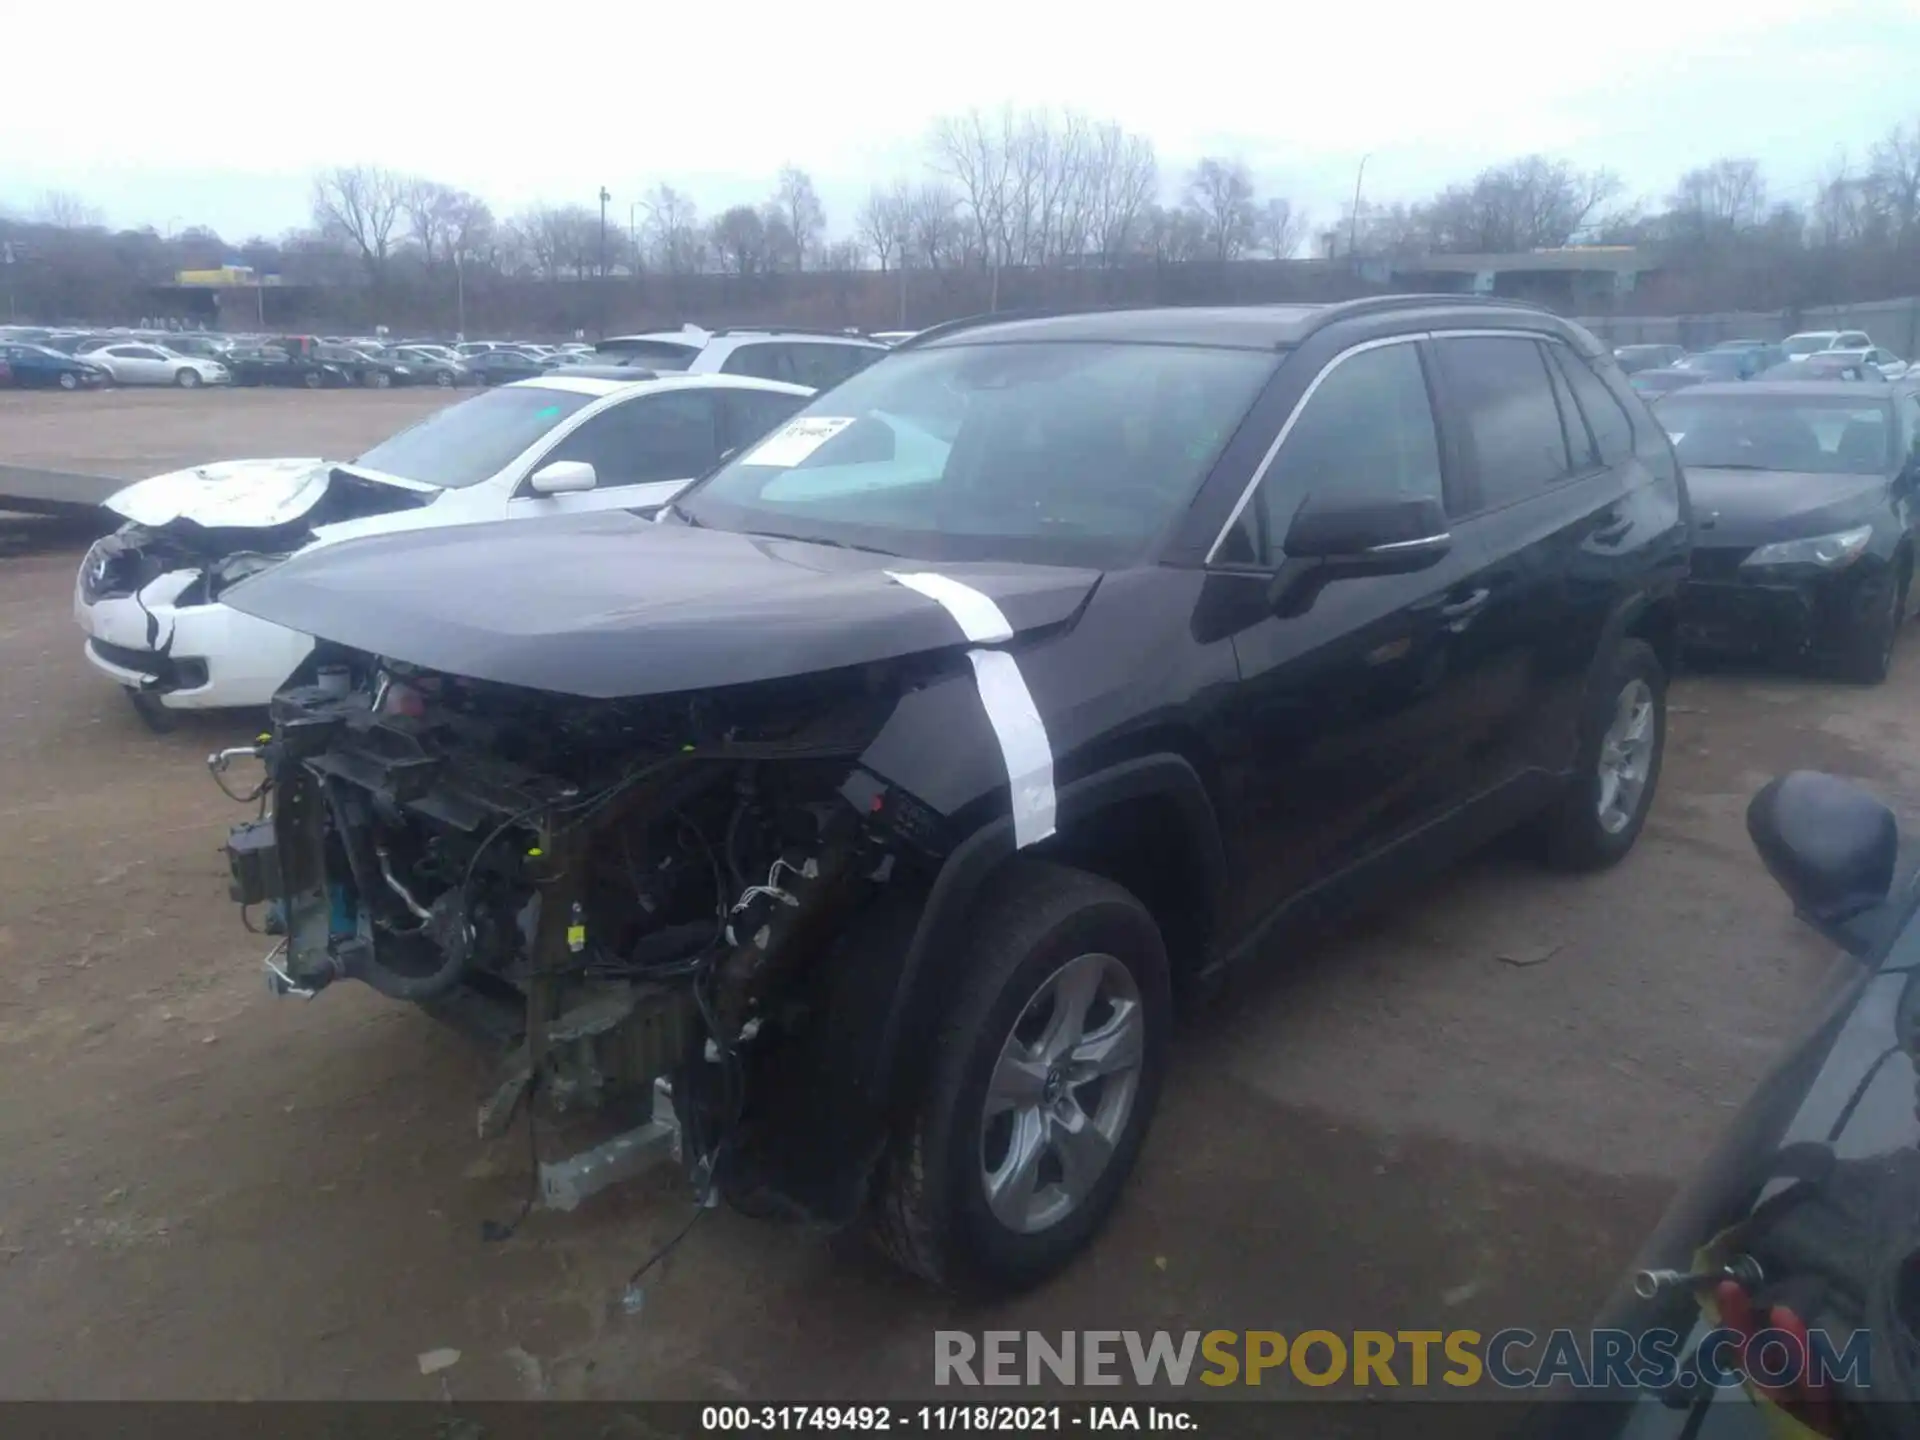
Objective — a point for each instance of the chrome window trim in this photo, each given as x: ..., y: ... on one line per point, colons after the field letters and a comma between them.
x: 1266, y: 461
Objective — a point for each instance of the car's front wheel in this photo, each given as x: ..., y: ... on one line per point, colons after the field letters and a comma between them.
x: 1044, y: 1079
x: 187, y: 379
x: 69, y: 380
x: 1868, y: 657
x: 1622, y: 741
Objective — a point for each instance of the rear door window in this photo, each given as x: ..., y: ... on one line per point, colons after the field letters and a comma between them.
x: 1504, y: 395
x: 764, y: 361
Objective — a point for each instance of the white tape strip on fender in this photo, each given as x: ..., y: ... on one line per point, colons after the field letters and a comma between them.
x: 1004, y: 695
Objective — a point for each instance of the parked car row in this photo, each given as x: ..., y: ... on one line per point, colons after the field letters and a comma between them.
x: 1656, y: 370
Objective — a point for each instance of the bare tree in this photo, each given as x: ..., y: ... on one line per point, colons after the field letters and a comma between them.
x: 64, y: 210
x: 433, y: 213
x: 1220, y: 193
x: 801, y: 213
x: 673, y: 236
x: 1726, y: 196
x: 739, y: 240
x: 1529, y: 204
x: 885, y: 222
x: 938, y: 236
x: 1126, y: 175
x: 843, y: 256
x: 361, y: 205
x: 1278, y: 228
x: 1894, y: 170
x: 975, y: 154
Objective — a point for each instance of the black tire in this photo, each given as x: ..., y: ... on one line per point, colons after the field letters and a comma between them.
x: 155, y: 716
x: 313, y: 380
x: 1869, y: 654
x: 68, y: 380
x: 376, y: 380
x: 930, y: 1212
x: 187, y: 379
x: 1573, y: 833
x: 444, y: 379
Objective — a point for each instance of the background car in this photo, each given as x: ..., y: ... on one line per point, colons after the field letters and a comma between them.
x: 1823, y: 366
x: 152, y: 612
x: 1804, y: 521
x: 1811, y: 342
x: 1632, y: 358
x: 375, y: 371
x: 1889, y: 365
x: 432, y: 367
x: 504, y: 367
x: 35, y: 365
x: 815, y: 358
x: 153, y: 365
x: 287, y: 362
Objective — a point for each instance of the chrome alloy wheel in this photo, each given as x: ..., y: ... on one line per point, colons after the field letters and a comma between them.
x: 1626, y: 757
x: 1062, y: 1093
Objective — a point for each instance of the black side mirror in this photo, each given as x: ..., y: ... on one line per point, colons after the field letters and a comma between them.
x: 1832, y: 847
x: 1342, y: 536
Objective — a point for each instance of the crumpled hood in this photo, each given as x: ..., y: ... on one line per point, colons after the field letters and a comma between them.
x: 237, y: 494
x: 608, y: 605
x: 1757, y: 507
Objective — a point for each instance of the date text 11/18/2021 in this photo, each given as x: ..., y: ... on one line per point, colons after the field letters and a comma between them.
x: 922, y: 1419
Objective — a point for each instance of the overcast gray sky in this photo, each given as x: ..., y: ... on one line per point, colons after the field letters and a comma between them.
x: 169, y: 118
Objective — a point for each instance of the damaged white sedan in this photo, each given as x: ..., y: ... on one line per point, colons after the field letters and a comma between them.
x: 148, y: 596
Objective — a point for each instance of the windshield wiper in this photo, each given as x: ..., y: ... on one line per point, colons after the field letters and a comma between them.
x: 817, y: 540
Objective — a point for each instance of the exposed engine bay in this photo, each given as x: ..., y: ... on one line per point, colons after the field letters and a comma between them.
x: 636, y: 900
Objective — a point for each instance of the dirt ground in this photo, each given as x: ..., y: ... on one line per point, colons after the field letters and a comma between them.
x: 210, y: 1193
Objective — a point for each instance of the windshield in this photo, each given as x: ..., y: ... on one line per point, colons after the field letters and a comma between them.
x: 1056, y: 453
x: 1808, y: 344
x: 474, y: 440
x: 1827, y: 435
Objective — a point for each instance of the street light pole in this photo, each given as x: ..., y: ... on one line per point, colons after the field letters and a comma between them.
x: 1353, y: 221
x: 633, y: 234
x: 601, y: 286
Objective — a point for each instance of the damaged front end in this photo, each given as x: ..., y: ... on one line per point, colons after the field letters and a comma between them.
x: 649, y: 905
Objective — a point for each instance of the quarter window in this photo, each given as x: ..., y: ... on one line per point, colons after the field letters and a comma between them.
x: 1367, y: 427
x: 763, y: 362
x: 1606, y: 418
x: 1513, y: 424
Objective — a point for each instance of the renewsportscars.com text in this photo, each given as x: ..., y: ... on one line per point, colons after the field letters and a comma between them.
x: 1511, y: 1359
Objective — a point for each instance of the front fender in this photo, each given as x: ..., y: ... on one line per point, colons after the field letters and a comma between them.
x: 926, y: 965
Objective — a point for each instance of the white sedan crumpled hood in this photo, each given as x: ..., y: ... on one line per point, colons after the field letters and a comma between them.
x: 234, y: 494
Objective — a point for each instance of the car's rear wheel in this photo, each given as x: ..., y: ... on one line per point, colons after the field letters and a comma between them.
x: 1044, y: 1079
x: 1623, y: 740
x: 313, y: 380
x: 376, y: 379
x: 69, y: 380
x: 187, y: 379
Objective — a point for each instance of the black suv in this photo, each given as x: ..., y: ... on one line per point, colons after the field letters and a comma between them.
x: 871, y: 806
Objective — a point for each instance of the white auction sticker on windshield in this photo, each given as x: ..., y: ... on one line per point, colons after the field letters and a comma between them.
x: 796, y: 440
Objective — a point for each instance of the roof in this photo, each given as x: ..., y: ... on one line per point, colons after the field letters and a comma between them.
x: 591, y: 385
x: 1247, y: 327
x: 1792, y: 389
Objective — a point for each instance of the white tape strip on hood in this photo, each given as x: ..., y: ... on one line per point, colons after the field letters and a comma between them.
x: 1004, y: 695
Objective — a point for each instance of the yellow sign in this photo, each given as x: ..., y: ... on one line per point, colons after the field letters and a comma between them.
x: 226, y: 275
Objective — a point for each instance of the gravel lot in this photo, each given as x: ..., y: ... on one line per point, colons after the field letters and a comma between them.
x: 209, y: 1193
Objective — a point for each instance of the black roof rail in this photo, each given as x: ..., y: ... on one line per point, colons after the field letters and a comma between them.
x: 1377, y: 304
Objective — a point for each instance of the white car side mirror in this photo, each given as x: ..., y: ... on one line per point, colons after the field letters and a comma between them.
x: 563, y: 477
